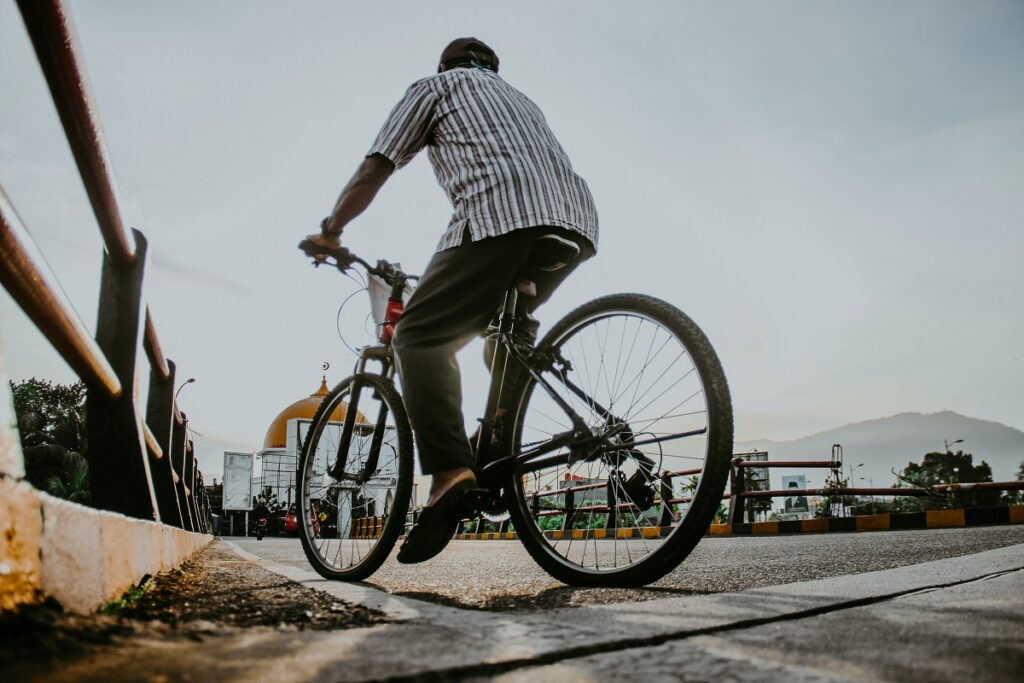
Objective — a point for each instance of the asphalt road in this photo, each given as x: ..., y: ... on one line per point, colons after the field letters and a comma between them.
x: 500, y: 575
x: 966, y: 632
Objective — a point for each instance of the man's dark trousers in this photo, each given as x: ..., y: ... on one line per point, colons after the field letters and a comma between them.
x: 454, y: 302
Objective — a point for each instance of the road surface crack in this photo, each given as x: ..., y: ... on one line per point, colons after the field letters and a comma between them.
x: 568, y: 654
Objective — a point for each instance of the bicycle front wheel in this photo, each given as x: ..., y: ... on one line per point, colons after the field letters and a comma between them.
x: 355, y: 497
x: 628, y: 507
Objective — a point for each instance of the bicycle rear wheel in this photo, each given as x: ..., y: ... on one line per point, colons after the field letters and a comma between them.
x: 353, y: 501
x: 646, y: 380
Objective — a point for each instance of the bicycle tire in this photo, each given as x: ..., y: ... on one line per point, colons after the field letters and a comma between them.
x: 709, y: 485
x: 359, y: 532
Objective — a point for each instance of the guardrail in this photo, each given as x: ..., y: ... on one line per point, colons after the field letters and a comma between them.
x: 139, y: 466
x: 662, y: 508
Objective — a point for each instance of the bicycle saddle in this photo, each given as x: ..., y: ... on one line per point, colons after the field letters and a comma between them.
x: 551, y: 253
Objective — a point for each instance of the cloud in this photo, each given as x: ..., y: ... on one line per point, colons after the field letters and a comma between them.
x: 197, y: 275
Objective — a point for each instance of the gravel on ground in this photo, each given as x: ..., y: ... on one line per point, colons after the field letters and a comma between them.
x: 216, y: 593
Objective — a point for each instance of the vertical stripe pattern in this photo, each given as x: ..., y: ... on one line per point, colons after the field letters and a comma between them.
x: 493, y: 154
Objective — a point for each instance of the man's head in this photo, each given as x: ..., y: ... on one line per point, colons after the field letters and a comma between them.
x: 468, y: 52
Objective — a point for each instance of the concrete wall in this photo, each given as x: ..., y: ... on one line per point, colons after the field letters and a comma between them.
x: 76, y: 554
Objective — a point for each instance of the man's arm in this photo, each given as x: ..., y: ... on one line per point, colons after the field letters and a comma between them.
x: 357, y: 195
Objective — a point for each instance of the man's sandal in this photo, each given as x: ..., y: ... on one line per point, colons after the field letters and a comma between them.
x: 436, y: 525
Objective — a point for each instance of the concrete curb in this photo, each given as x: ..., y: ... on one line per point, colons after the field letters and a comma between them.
x: 931, y: 519
x: 80, y: 556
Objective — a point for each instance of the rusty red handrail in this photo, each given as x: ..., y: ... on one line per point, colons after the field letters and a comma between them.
x: 683, y: 473
x: 31, y: 287
x: 38, y: 292
x: 827, y: 464
x: 151, y: 343
x: 786, y: 493
x: 56, y: 48
x: 981, y: 486
x: 151, y: 443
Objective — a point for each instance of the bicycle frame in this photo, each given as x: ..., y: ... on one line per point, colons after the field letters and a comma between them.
x: 494, y: 463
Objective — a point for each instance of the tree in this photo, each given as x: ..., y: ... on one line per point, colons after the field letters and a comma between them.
x: 1016, y: 497
x: 834, y: 481
x: 51, y: 425
x: 948, y: 467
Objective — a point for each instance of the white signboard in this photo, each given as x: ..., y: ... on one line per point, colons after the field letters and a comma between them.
x: 238, y: 469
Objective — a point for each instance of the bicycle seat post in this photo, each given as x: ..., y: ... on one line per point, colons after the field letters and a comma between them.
x: 514, y: 305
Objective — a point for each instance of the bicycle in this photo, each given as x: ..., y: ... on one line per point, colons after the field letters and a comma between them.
x: 607, y: 444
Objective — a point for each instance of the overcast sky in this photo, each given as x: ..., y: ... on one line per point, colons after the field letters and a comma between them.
x: 833, y: 191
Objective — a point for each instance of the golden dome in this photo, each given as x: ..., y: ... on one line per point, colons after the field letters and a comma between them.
x: 305, y: 408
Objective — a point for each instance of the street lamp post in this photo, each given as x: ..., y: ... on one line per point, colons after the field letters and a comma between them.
x: 951, y: 443
x: 188, y: 381
x: 871, y: 483
x: 853, y: 468
x: 950, y: 494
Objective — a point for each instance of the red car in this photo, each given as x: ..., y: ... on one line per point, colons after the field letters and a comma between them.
x: 291, y: 522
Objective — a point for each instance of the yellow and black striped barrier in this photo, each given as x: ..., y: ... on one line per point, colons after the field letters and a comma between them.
x: 367, y: 527
x: 931, y: 519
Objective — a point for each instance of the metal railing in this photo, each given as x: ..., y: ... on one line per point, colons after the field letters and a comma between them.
x: 738, y: 493
x: 736, y: 496
x: 142, y: 466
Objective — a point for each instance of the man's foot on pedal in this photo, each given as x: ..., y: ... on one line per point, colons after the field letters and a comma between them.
x: 439, y: 520
x: 442, y: 482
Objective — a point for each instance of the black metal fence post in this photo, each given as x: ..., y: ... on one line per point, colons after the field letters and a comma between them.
x: 570, y: 510
x: 611, y: 521
x: 204, y: 518
x: 190, y: 477
x: 160, y: 418
x: 178, y: 434
x: 738, y: 488
x: 666, y: 517
x: 119, y: 476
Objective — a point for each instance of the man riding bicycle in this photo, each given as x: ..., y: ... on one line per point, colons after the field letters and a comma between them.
x: 510, y: 183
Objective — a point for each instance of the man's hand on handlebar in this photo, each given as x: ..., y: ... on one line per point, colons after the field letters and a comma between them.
x: 326, y: 249
x: 326, y: 241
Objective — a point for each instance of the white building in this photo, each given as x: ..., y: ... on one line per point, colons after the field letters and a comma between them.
x: 279, y: 459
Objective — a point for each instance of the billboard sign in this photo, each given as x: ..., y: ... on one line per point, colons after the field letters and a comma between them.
x: 795, y: 503
x: 238, y: 470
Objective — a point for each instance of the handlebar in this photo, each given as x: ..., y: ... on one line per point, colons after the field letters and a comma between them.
x: 343, y: 259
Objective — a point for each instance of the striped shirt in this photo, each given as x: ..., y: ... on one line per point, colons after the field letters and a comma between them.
x: 493, y: 154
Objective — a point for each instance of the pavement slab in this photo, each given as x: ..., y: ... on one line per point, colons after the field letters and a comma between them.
x: 489, y: 643
x: 971, y: 631
x: 826, y: 629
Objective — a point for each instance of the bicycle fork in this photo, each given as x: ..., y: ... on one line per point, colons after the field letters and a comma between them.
x: 381, y: 353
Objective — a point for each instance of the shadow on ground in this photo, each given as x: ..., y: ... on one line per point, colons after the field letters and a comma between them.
x: 550, y: 598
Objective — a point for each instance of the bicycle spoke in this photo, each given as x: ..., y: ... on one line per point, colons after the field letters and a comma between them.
x: 631, y: 377
x: 358, y: 508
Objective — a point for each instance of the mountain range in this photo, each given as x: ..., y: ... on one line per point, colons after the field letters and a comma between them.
x: 889, y: 443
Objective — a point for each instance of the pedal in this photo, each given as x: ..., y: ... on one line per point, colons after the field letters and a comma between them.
x: 475, y: 500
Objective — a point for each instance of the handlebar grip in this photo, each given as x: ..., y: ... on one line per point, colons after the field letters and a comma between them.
x: 311, y: 249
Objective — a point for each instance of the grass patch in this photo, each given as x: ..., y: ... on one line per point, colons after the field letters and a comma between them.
x: 130, y: 598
